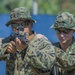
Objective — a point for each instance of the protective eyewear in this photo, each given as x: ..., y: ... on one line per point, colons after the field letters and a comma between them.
x: 24, y: 24
x: 63, y: 31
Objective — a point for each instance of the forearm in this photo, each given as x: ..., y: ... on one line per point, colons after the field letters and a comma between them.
x: 65, y: 59
x: 3, y: 52
x: 41, y: 59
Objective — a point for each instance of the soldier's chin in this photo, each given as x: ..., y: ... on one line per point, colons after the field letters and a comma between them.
x: 64, y: 41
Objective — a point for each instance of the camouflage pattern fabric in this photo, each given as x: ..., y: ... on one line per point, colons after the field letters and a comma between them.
x: 38, y: 49
x: 3, y: 50
x: 19, y: 14
x: 66, y: 61
x: 64, y: 20
x: 39, y: 58
x: 14, y: 62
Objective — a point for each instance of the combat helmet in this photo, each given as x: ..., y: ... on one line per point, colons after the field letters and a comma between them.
x: 64, y: 20
x: 20, y: 13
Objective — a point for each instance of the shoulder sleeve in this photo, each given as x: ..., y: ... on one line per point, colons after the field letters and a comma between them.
x: 3, y: 47
x: 41, y: 54
x: 41, y: 36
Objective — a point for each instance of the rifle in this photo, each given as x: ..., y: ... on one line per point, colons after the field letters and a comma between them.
x: 20, y: 34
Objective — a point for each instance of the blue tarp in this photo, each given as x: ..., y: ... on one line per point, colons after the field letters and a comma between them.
x: 42, y: 25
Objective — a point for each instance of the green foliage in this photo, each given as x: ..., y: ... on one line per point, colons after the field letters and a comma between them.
x: 44, y: 6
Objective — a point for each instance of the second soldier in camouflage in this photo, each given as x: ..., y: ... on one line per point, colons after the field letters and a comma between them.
x: 65, y: 28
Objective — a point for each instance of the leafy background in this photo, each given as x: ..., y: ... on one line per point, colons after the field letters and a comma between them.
x: 44, y: 6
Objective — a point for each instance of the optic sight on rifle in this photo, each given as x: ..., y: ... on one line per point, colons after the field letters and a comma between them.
x: 20, y: 34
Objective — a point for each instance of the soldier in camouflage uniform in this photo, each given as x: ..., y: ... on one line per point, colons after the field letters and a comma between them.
x: 65, y: 28
x: 26, y: 59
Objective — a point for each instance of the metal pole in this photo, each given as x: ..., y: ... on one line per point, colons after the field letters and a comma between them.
x: 35, y: 7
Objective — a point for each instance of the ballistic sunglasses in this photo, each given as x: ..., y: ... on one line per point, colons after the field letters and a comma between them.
x: 24, y: 24
x: 66, y: 31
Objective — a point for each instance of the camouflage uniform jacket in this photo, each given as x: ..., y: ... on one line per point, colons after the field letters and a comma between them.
x: 67, y: 65
x: 40, y: 55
